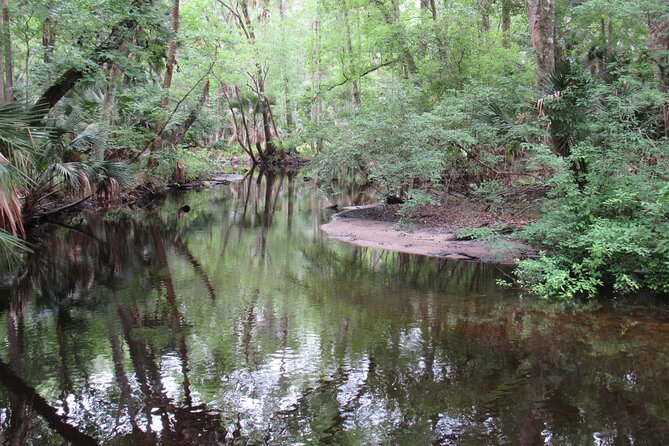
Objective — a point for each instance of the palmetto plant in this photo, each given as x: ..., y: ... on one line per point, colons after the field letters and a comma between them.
x: 38, y: 165
x: 565, y: 106
x: 16, y: 144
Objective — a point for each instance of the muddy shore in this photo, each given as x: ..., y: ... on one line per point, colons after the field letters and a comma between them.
x: 364, y: 226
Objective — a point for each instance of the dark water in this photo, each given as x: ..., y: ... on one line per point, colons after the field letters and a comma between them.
x: 239, y: 323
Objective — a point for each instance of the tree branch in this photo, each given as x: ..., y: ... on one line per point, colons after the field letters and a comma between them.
x: 348, y: 79
x: 492, y: 169
x: 176, y: 107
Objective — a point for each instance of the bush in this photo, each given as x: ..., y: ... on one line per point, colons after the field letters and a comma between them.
x: 607, y: 220
x: 198, y: 164
x: 410, y: 207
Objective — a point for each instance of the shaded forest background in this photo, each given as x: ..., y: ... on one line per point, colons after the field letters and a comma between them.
x: 564, y: 100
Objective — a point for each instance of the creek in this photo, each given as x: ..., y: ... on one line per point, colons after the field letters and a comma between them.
x: 239, y: 322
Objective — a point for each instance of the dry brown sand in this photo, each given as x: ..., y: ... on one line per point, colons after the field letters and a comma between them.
x: 428, y: 241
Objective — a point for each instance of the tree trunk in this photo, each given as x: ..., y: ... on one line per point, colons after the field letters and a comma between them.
x: 428, y: 5
x: 600, y: 54
x: 192, y: 116
x: 410, y: 62
x: 49, y: 38
x: 659, y: 46
x: 317, y: 108
x: 112, y: 73
x: 243, y: 139
x: 355, y: 94
x: 541, y: 17
x: 394, y: 19
x: 110, y: 94
x: 70, y: 78
x: 355, y: 91
x: 484, y: 9
x: 283, y: 6
x: 167, y: 80
x: 270, y: 147
x: 506, y: 23
x: 9, y: 69
x: 56, y: 91
x: 247, y: 22
x: 240, y: 12
x: 609, y: 41
x: 290, y: 122
x: 219, y: 115
x: 2, y: 70
x: 659, y: 49
x: 49, y: 35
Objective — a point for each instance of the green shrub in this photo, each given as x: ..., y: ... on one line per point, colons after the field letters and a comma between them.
x: 198, y: 164
x: 410, y: 207
x: 607, y: 222
x: 492, y: 193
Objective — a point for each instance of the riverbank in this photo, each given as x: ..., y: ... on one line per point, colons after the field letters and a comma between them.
x: 139, y: 197
x: 376, y: 226
x: 198, y: 168
x: 231, y: 300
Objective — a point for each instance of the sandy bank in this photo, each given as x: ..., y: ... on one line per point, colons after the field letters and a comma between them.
x: 430, y: 241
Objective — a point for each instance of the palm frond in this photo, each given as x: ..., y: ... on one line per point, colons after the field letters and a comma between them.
x: 498, y: 116
x: 17, y: 138
x: 117, y: 171
x: 10, y: 206
x: 88, y: 138
x: 557, y: 80
x: 11, y: 247
x: 70, y: 173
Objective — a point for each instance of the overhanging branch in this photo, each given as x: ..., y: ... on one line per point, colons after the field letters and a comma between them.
x: 348, y: 79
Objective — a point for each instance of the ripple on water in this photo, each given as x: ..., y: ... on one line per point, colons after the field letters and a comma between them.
x: 238, y: 321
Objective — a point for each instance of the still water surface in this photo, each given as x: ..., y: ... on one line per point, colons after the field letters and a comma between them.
x: 240, y: 323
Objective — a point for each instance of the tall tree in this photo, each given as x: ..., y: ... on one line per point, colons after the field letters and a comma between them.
x: 393, y: 18
x: 242, y: 17
x: 3, y: 99
x: 658, y: 27
x: 429, y: 5
x: 506, y: 23
x: 484, y: 9
x: 49, y: 34
x: 355, y: 90
x: 113, y: 75
x: 192, y: 116
x: 169, y: 72
x: 283, y: 6
x: 541, y: 18
x: 7, y: 40
x: 317, y: 75
x: 100, y: 55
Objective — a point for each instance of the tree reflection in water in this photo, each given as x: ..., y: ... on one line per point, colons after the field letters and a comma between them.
x: 236, y: 322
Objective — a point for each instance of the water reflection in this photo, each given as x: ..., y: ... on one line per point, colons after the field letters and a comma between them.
x: 237, y: 323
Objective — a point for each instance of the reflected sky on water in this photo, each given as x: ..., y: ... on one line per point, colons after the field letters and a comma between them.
x: 238, y: 322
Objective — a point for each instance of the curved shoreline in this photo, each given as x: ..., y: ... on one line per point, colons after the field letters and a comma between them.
x: 440, y: 242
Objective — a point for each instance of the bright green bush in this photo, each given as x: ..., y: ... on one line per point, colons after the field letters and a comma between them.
x: 607, y: 222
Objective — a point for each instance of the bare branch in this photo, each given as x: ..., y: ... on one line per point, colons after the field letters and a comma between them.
x: 348, y: 79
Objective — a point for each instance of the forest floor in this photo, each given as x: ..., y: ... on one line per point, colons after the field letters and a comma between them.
x: 446, y: 230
